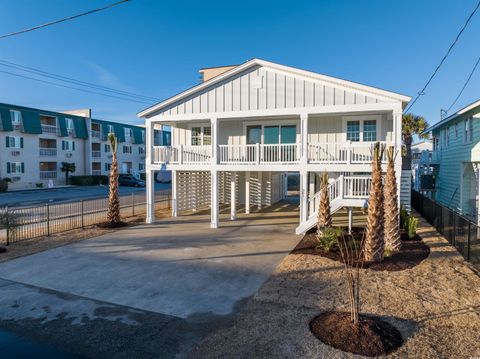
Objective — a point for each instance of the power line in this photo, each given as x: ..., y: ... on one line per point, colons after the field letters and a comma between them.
x: 62, y: 20
x: 74, y: 81
x: 464, y: 85
x: 75, y: 88
x: 422, y: 92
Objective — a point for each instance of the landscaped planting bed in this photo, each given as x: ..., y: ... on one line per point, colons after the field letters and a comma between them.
x: 434, y: 305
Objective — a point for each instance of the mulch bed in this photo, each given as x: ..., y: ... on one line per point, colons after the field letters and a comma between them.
x: 371, y: 337
x: 112, y: 225
x: 412, y: 253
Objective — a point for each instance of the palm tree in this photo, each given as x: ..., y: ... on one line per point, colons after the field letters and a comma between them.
x: 324, y: 218
x: 68, y: 167
x: 374, y: 241
x: 113, y: 210
x: 392, y: 215
x: 411, y: 125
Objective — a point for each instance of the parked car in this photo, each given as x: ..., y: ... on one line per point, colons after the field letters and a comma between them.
x: 129, y: 180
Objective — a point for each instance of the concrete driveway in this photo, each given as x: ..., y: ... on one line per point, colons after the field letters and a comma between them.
x: 178, y: 267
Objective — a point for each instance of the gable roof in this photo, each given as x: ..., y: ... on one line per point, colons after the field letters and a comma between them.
x: 286, y: 69
x: 472, y: 107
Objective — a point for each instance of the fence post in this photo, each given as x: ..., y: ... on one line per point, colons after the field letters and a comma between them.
x: 48, y: 219
x: 133, y: 204
x: 7, y: 216
x: 468, y: 241
x: 82, y: 211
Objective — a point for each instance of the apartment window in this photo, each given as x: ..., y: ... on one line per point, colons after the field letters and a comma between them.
x: 128, y: 132
x: 141, y: 166
x: 447, y: 137
x: 127, y: 149
x: 16, y: 117
x: 15, y: 167
x: 68, y: 145
x: 468, y: 133
x: 107, y: 148
x: 456, y: 130
x: 69, y: 123
x: 353, y: 131
x: 14, y: 142
x: 108, y: 166
x: 141, y: 150
x: 110, y: 129
x: 201, y: 136
x: 370, y: 130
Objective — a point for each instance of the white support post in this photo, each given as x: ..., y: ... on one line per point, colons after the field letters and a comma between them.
x: 350, y: 220
x: 260, y: 192
x: 214, y: 131
x: 303, y: 197
x: 285, y: 185
x: 311, y: 190
x: 304, y: 137
x: 214, y: 200
x: 233, y: 196
x: 397, y: 143
x: 247, y: 192
x: 174, y: 193
x: 150, y: 177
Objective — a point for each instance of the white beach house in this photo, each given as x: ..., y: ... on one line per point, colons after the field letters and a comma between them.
x: 237, y: 135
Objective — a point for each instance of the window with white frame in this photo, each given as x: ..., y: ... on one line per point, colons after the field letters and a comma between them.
x: 107, y: 148
x: 468, y: 130
x: 108, y: 166
x: 141, y: 150
x: 201, y: 136
x: 68, y: 145
x: 110, y: 129
x: 128, y: 132
x: 15, y: 167
x: 370, y: 130
x: 16, y: 117
x: 456, y: 130
x: 69, y: 123
x: 353, y: 131
x: 127, y: 149
x: 14, y: 141
x: 447, y: 137
x: 141, y: 166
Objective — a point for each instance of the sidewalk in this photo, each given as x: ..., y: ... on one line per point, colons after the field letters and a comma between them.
x: 435, y: 305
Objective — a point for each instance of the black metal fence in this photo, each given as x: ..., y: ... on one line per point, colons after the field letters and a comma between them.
x: 24, y: 223
x: 461, y: 232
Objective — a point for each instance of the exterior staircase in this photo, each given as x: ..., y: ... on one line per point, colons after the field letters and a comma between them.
x: 345, y: 191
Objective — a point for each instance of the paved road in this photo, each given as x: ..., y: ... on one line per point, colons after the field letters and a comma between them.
x: 41, y: 196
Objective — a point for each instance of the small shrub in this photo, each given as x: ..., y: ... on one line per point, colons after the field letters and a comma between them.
x: 7, y: 179
x: 329, y: 238
x: 388, y: 252
x: 39, y: 185
x: 403, y: 216
x: 88, y: 180
x: 411, y: 226
x: 3, y: 186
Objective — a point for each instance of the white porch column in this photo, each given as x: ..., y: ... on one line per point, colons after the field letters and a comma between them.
x: 233, y: 196
x: 247, y: 192
x: 397, y: 143
x: 214, y: 130
x: 261, y: 189
x: 303, y: 196
x: 150, y: 174
x: 304, y: 137
x: 174, y: 193
x: 214, y: 200
x: 350, y: 220
x: 311, y: 190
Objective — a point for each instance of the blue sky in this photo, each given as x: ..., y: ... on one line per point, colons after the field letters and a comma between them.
x: 155, y: 48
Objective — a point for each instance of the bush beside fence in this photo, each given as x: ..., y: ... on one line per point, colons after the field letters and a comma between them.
x: 33, y: 222
x: 459, y: 231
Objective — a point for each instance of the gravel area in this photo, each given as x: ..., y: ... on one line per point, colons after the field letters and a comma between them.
x: 435, y: 306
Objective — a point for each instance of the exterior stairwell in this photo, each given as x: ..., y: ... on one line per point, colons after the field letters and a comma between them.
x: 345, y: 191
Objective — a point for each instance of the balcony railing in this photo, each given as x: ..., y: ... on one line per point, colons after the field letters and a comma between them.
x: 96, y: 134
x: 96, y: 154
x: 49, y: 129
x: 52, y: 152
x: 48, y: 174
x: 284, y: 153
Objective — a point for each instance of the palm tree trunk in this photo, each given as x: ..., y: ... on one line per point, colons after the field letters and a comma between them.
x: 113, y: 212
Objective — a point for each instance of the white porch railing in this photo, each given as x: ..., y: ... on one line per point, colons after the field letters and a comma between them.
x: 283, y: 153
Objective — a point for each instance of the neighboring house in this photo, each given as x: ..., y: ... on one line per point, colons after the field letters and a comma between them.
x: 35, y: 142
x: 237, y: 135
x: 456, y: 153
x: 421, y: 154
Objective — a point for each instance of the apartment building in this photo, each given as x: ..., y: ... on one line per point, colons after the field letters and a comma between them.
x: 35, y: 142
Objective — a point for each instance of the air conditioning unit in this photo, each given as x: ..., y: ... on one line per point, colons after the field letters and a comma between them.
x: 68, y: 155
x: 15, y: 153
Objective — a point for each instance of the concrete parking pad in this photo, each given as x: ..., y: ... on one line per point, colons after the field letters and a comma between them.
x: 178, y: 267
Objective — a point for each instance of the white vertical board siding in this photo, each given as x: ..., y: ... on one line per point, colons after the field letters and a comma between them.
x: 277, y: 90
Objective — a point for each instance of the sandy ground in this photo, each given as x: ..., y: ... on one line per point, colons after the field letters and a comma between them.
x: 436, y: 307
